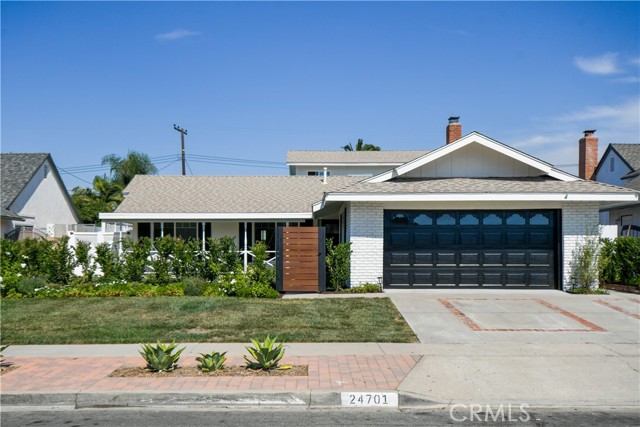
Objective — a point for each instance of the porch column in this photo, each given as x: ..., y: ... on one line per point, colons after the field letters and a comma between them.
x: 162, y: 229
x: 204, y: 233
x: 246, y: 253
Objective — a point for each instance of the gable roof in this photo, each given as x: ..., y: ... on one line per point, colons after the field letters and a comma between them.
x: 630, y: 153
x: 16, y: 170
x: 224, y: 197
x: 475, y: 137
x: 391, y: 157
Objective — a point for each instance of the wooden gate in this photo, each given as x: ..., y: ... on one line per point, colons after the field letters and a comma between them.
x: 300, y: 259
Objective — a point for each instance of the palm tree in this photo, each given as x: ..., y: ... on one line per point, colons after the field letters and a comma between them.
x: 109, y: 193
x: 124, y: 169
x: 361, y: 146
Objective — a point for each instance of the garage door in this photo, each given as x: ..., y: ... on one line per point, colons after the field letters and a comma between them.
x: 489, y: 249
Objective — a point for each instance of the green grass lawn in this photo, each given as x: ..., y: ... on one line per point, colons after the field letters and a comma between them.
x: 200, y: 319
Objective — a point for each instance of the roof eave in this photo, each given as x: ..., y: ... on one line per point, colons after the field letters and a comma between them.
x: 486, y: 197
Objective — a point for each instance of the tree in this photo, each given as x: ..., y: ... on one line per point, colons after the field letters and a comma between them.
x: 105, y: 196
x: 361, y: 146
x: 124, y: 169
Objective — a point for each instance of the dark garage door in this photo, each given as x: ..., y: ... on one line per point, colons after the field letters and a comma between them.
x: 489, y: 249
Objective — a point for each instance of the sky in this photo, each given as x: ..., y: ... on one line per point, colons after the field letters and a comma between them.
x: 251, y: 80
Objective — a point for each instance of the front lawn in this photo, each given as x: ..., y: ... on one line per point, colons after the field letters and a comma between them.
x: 200, y: 319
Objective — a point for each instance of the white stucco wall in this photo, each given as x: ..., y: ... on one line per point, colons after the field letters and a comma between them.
x: 365, y: 231
x: 578, y: 219
x: 44, y: 200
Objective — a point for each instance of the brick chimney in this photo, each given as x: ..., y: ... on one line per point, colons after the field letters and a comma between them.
x: 588, y: 155
x: 454, y: 130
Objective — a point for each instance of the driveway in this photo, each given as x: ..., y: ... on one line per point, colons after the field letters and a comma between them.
x: 534, y: 347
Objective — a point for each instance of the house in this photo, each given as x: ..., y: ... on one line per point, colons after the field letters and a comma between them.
x: 350, y: 163
x: 35, y: 202
x: 472, y: 213
x: 620, y: 165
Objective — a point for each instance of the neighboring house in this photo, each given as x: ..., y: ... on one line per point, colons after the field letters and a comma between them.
x: 351, y: 163
x: 35, y: 201
x: 473, y: 213
x: 620, y: 165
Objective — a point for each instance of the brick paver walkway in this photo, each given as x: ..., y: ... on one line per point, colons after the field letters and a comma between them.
x: 90, y: 374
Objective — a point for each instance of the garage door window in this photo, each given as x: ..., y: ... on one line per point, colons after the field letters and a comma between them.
x: 469, y: 219
x: 423, y: 219
x: 492, y: 219
x: 515, y: 219
x: 446, y: 219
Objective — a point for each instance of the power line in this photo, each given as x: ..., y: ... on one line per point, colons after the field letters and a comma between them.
x: 75, y: 176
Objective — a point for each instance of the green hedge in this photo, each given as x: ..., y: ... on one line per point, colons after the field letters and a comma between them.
x: 620, y: 261
x: 40, y: 269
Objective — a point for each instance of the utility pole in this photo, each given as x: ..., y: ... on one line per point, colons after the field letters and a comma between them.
x: 183, y: 132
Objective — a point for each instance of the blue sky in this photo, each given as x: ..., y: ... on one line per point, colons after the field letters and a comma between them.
x: 251, y: 80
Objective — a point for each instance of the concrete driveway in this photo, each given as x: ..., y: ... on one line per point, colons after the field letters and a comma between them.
x: 534, y: 347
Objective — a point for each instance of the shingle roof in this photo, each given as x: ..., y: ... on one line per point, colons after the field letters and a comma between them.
x: 16, y: 169
x: 482, y: 185
x: 227, y: 194
x: 9, y: 214
x: 351, y: 157
x: 634, y: 184
x: 630, y: 153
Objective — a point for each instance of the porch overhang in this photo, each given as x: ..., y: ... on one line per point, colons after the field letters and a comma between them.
x: 182, y: 216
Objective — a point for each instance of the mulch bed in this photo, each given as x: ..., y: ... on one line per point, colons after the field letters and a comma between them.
x: 622, y: 288
x: 227, y: 371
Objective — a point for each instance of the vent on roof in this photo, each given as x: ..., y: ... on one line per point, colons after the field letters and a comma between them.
x: 46, y: 171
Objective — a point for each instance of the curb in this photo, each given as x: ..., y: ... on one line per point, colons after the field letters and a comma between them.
x: 308, y: 399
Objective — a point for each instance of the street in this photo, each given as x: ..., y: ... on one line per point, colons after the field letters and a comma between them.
x: 188, y: 417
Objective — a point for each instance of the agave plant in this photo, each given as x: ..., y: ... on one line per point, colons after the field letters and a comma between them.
x: 161, y: 357
x: 266, y: 354
x: 210, y: 362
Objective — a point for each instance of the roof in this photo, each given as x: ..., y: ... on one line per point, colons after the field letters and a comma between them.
x: 630, y: 153
x: 482, y: 185
x: 16, y: 170
x: 9, y: 214
x: 353, y: 157
x: 226, y: 194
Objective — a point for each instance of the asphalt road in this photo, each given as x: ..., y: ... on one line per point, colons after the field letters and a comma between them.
x: 191, y: 417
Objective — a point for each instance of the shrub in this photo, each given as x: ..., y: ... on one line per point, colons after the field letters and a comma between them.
x: 584, y: 266
x: 266, y: 354
x: 221, y: 257
x: 628, y: 258
x: 82, y: 252
x: 187, y: 258
x: 161, y: 357
x: 194, y: 286
x: 28, y: 285
x: 135, y: 258
x: 162, y: 262
x: 59, y: 262
x: 366, y: 288
x: 620, y: 261
x: 338, y: 261
x: 212, y: 361
x: 109, y: 262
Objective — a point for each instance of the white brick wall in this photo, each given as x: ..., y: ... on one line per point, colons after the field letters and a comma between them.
x: 365, y: 231
x: 577, y: 220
